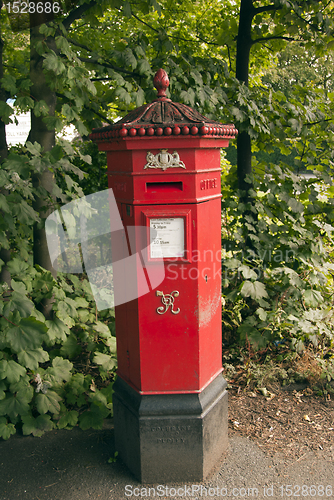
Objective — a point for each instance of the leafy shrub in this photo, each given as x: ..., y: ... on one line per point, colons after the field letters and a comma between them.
x: 53, y: 372
x: 280, y: 289
x: 56, y: 370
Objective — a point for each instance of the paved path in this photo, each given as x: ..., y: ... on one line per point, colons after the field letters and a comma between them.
x: 73, y: 465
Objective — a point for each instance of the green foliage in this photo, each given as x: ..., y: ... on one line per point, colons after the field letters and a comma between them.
x: 282, y: 288
x: 56, y: 372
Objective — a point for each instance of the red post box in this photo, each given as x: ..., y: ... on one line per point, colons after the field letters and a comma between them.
x: 170, y: 400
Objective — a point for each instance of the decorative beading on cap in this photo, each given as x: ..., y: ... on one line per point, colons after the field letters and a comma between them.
x: 163, y: 118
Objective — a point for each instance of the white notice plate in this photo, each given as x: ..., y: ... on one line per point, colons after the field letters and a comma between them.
x: 169, y: 239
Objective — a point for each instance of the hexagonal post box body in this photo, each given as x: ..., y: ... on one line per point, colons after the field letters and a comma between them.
x: 170, y: 401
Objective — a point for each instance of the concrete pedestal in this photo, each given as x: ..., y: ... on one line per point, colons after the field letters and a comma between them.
x: 171, y: 437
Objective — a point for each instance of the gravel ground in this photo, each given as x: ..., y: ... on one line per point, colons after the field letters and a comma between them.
x: 73, y: 465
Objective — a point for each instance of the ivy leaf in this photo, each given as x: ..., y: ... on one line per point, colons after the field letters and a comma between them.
x: 37, y: 426
x: 32, y: 358
x: 48, y: 402
x: 254, y: 290
x: 6, y: 429
x: 28, y: 335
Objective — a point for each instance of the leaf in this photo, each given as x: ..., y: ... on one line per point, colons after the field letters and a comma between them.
x: 69, y: 420
x: 16, y: 404
x: 123, y: 95
x: 312, y: 298
x: 296, y: 206
x: 32, y: 358
x: 254, y: 290
x: 57, y: 330
x: 28, y: 335
x: 41, y: 108
x: 8, y: 82
x: 105, y: 360
x: 93, y: 418
x: 3, y: 204
x: 37, y: 426
x: 247, y: 272
x: 127, y: 9
x: 54, y: 63
x: 60, y: 370
x: 71, y: 348
x: 11, y: 371
x: 6, y: 429
x: 5, y: 112
x: 261, y: 313
x: 102, y: 329
x: 3, y: 387
x: 17, y: 267
x: 48, y: 402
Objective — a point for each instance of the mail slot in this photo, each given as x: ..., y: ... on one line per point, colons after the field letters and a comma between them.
x: 170, y: 399
x: 155, y: 187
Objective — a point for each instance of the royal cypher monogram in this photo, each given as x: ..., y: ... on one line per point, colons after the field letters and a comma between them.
x: 163, y: 160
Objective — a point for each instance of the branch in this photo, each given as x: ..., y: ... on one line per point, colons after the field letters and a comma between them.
x: 266, y: 8
x: 90, y: 109
x: 143, y: 22
x: 107, y: 65
x: 268, y: 38
x: 77, y: 44
x: 78, y: 12
x: 176, y: 36
x: 319, y: 121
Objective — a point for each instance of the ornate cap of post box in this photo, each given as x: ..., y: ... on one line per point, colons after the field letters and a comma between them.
x: 162, y: 117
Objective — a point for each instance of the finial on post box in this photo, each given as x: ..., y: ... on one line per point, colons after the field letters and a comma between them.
x: 161, y: 83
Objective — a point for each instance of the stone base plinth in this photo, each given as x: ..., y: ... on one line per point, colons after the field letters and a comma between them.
x: 171, y: 437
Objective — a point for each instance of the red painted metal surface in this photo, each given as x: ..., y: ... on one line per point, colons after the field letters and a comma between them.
x: 164, y: 163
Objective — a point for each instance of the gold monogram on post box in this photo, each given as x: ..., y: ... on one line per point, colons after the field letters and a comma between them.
x: 163, y: 160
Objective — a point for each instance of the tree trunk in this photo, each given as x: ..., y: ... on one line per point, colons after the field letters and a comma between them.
x: 46, y: 138
x: 244, y: 44
x: 244, y: 146
x: 4, y: 253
